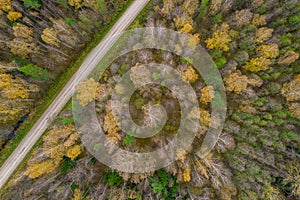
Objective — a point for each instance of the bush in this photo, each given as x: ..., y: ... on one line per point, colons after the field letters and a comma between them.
x: 129, y: 139
x: 36, y: 73
x: 66, y: 165
x: 32, y: 3
x: 286, y: 39
x: 164, y: 185
x: 112, y: 178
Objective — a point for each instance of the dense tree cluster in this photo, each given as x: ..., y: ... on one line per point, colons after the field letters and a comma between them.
x: 41, y: 39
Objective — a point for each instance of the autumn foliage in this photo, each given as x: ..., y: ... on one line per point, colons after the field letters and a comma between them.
x: 86, y: 91
x: 5, y: 5
x: 190, y: 75
x: 39, y: 169
x: 57, y: 143
x: 220, y: 39
x: 257, y: 64
x: 49, y: 36
x: 13, y: 16
x: 207, y: 94
x: 236, y: 82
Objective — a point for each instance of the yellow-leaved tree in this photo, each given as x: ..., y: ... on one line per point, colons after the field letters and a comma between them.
x: 22, y: 31
x: 220, y: 38
x: 73, y: 152
x: 111, y: 127
x: 57, y: 143
x: 207, y: 94
x: 257, y: 64
x: 291, y: 91
x: 5, y: 5
x: 288, y: 58
x: 78, y: 194
x: 262, y: 34
x: 268, y: 50
x: 13, y: 16
x: 205, y: 118
x: 190, y: 75
x: 293, y: 177
x: 50, y: 36
x: 187, y: 175
x: 16, y: 97
x: 14, y: 88
x: 86, y: 91
x: 236, y: 82
x: 83, y: 3
x: 186, y: 28
x: 36, y: 170
x: 259, y: 20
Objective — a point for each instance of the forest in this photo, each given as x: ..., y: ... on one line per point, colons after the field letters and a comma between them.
x: 255, y: 45
x: 39, y: 41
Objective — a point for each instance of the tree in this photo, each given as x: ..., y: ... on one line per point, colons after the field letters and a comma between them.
x: 220, y: 39
x: 180, y: 155
x: 186, y: 28
x: 111, y: 127
x: 22, y: 31
x: 78, y: 194
x: 49, y: 37
x: 257, y: 64
x: 236, y: 82
x: 293, y: 177
x: 262, y: 34
x: 83, y: 3
x: 71, y: 21
x: 57, y: 135
x: 268, y: 50
x: 190, y: 75
x: 214, y: 7
x: 86, y: 91
x: 57, y: 143
x: 190, y: 6
x: 13, y: 16
x: 295, y: 110
x: 168, y: 6
x: 181, y: 20
x: 207, y: 94
x: 288, y: 58
x: 12, y: 88
x: 32, y: 3
x: 23, y: 48
x: 291, y: 90
x: 71, y: 140
x: 36, y: 170
x: 187, y: 175
x: 75, y: 3
x: 193, y: 40
x: 67, y: 36
x: 243, y: 17
x: 140, y: 74
x: 205, y: 118
x: 259, y: 20
x: 73, y: 152
x: 15, y: 97
x: 5, y: 5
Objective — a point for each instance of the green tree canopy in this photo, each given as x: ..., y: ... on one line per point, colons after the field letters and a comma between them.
x: 32, y: 3
x: 36, y: 73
